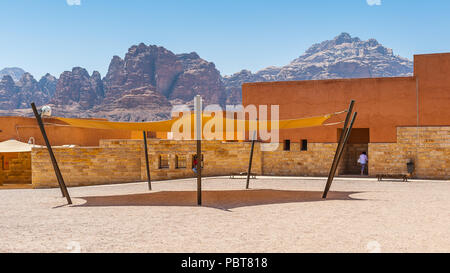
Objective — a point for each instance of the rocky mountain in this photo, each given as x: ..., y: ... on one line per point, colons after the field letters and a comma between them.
x: 149, y: 80
x: 19, y: 95
x: 48, y: 84
x: 8, y: 93
x: 30, y: 90
x: 142, y: 86
x: 78, y: 88
x: 342, y: 57
x: 15, y: 73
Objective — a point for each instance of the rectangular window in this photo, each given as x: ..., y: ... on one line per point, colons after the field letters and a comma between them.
x: 304, y: 145
x: 180, y: 162
x: 164, y: 161
x: 287, y: 145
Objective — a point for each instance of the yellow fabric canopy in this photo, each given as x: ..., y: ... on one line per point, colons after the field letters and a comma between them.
x: 227, y: 124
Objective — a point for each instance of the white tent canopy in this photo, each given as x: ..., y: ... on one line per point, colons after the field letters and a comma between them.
x: 14, y: 146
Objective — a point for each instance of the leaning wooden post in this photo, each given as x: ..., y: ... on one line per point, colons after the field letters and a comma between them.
x: 147, y: 161
x: 251, y: 159
x: 341, y: 139
x: 347, y: 135
x: 198, y: 137
x: 59, y: 176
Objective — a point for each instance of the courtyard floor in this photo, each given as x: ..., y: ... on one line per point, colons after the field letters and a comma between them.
x: 276, y: 215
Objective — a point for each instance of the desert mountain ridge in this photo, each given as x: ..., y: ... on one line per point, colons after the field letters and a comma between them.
x: 149, y: 80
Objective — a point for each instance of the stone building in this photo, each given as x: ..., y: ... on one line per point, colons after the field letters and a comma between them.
x: 399, y: 118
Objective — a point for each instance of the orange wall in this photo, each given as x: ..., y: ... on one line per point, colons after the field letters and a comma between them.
x: 433, y: 75
x: 22, y: 128
x: 382, y: 103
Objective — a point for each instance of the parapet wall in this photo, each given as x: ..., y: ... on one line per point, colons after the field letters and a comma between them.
x: 118, y: 161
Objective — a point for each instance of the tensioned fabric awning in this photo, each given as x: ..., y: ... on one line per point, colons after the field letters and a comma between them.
x: 167, y: 125
x: 14, y: 146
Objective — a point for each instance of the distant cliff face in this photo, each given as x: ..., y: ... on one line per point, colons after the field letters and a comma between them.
x: 177, y: 77
x: 342, y: 57
x: 142, y: 86
x: 149, y: 80
x: 8, y: 93
x: 19, y: 95
x: 15, y: 73
x: 78, y: 88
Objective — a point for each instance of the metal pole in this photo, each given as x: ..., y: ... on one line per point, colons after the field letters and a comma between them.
x: 59, y: 177
x: 250, y: 161
x: 347, y: 135
x: 147, y: 161
x: 198, y: 137
x: 344, y: 129
x: 341, y: 139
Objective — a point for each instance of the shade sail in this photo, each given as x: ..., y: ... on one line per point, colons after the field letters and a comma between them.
x: 229, y: 125
x: 14, y: 146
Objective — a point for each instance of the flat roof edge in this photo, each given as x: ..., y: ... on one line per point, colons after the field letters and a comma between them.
x: 330, y: 80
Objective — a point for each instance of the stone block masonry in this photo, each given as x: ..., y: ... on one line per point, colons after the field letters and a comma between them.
x: 15, y: 168
x: 315, y: 161
x: 120, y: 161
x: 87, y: 166
x: 427, y: 147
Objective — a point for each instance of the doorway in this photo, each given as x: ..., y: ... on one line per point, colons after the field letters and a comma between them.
x: 358, y: 142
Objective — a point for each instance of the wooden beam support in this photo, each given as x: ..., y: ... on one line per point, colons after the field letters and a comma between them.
x: 339, y: 155
x: 198, y: 137
x: 147, y: 163
x: 250, y: 161
x: 58, y: 174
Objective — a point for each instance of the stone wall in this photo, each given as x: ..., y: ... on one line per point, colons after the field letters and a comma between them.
x: 118, y: 161
x: 87, y: 165
x: 220, y: 158
x: 428, y: 147
x: 16, y: 168
x: 315, y: 161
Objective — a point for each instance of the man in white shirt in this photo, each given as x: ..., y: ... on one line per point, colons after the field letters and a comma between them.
x: 363, y: 159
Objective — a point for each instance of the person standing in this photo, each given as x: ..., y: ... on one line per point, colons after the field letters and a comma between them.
x: 363, y: 159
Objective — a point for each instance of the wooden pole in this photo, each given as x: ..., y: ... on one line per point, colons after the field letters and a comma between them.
x: 341, y: 139
x: 347, y: 135
x: 198, y: 137
x: 147, y: 161
x: 58, y: 174
x: 250, y: 161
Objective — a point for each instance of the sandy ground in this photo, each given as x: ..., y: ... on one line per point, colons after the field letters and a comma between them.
x: 277, y: 215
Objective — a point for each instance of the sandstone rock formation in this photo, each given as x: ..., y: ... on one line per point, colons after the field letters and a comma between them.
x: 77, y: 88
x: 342, y: 57
x: 149, y: 80
x: 143, y: 85
x: 8, y: 93
x: 19, y: 95
x: 31, y: 91
x: 177, y: 77
x: 48, y: 84
x: 15, y: 73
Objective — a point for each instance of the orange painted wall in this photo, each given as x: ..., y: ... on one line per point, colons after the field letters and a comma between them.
x: 382, y: 103
x: 433, y: 76
x: 22, y: 128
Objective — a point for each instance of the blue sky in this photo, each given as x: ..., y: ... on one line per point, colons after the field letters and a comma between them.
x: 54, y: 35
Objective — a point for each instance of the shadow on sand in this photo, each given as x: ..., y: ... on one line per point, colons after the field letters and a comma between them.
x: 223, y: 199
